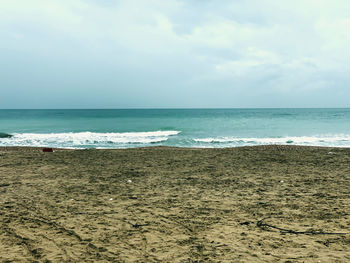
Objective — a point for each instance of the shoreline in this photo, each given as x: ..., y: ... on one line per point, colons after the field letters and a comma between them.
x: 282, y: 146
x: 173, y: 204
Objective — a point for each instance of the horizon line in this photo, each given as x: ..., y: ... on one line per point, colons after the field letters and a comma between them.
x: 175, y: 108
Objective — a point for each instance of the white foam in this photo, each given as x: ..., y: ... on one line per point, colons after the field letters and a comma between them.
x: 83, y: 139
x: 342, y: 140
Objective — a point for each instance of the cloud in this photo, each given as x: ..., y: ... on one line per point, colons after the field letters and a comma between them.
x: 165, y: 50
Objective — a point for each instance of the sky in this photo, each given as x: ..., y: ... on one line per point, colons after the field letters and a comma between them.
x: 174, y: 53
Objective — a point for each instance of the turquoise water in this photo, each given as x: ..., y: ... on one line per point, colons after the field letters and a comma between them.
x: 175, y: 127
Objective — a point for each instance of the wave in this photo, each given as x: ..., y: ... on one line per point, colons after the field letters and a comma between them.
x: 335, y: 140
x: 5, y: 135
x: 86, y: 139
x: 81, y: 140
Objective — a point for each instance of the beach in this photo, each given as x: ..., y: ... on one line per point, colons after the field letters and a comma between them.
x: 166, y: 204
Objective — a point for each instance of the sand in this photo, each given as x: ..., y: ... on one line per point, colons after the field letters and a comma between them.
x: 175, y: 205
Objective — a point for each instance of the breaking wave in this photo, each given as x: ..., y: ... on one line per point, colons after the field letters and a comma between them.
x: 87, y: 139
x: 334, y: 141
x: 5, y: 135
x: 140, y: 139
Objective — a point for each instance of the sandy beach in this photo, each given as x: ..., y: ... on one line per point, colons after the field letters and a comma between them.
x: 159, y: 204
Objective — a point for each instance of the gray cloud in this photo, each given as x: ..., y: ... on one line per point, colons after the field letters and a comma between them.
x: 155, y: 53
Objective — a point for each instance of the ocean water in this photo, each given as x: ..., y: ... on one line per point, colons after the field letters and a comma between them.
x: 175, y: 127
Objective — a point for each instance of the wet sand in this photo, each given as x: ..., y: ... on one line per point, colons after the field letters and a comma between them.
x: 175, y: 205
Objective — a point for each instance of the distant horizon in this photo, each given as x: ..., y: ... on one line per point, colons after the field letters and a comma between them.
x: 160, y: 108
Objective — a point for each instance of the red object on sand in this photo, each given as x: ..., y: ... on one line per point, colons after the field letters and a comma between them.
x: 48, y: 150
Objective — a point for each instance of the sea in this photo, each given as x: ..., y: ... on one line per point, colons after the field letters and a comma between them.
x: 199, y: 128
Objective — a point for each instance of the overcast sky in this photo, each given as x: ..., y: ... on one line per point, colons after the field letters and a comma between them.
x: 174, y: 53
